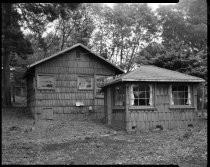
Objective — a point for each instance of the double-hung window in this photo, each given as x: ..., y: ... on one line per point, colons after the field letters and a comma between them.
x: 180, y: 94
x: 141, y: 95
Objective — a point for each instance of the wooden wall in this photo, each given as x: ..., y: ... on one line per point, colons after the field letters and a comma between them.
x: 147, y: 118
x: 118, y: 118
x: 66, y: 68
x: 163, y: 114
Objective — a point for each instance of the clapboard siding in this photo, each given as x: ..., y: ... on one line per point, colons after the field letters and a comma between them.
x: 118, y: 118
x: 141, y: 118
x: 149, y: 119
x: 66, y: 69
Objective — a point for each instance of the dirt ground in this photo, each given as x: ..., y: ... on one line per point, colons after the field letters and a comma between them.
x: 86, y: 142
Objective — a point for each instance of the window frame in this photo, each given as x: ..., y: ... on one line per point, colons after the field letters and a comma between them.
x: 151, y: 96
x: 189, y: 95
x: 38, y: 77
x: 85, y: 76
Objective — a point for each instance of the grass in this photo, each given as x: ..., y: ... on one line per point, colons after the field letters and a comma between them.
x: 86, y: 142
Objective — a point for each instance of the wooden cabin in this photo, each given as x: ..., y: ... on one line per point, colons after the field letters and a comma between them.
x: 151, y: 97
x: 66, y: 84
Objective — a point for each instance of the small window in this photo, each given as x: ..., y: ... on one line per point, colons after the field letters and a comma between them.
x: 141, y: 95
x: 45, y: 82
x: 119, y: 96
x: 180, y: 95
x: 85, y: 82
x: 78, y: 56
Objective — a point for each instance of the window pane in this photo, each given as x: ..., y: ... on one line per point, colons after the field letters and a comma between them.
x: 136, y: 94
x: 135, y: 87
x: 147, y: 102
x: 175, y: 94
x: 141, y: 102
x: 180, y: 94
x: 186, y: 94
x: 181, y: 87
x: 174, y: 88
x: 141, y: 94
x: 185, y: 101
x: 182, y: 102
x: 136, y: 102
x: 142, y: 88
x: 147, y: 94
x: 147, y: 88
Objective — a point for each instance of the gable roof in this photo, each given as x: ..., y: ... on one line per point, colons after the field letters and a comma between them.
x: 154, y: 74
x: 70, y: 48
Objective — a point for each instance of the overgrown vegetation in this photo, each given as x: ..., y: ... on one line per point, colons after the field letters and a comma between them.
x: 85, y: 142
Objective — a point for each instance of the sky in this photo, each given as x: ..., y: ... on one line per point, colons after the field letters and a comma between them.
x: 154, y: 6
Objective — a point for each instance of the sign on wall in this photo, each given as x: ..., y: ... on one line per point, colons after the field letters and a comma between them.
x: 85, y: 82
x: 45, y: 82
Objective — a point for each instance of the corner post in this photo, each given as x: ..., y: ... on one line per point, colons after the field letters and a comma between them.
x: 127, y: 103
x: 109, y: 105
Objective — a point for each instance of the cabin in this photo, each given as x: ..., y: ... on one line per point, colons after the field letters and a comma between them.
x: 149, y: 98
x: 67, y: 84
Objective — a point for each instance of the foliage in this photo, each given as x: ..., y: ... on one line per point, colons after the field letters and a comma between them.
x: 13, y: 41
x: 69, y: 27
x: 123, y: 31
x: 184, y: 39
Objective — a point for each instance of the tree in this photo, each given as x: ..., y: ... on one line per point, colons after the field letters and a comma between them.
x: 123, y: 31
x: 77, y: 27
x: 184, y: 39
x: 12, y: 41
x: 70, y: 26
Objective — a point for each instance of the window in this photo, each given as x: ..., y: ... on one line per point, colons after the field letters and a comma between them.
x: 85, y: 82
x: 141, y: 95
x: 45, y: 82
x: 99, y: 81
x: 180, y: 95
x: 119, y: 96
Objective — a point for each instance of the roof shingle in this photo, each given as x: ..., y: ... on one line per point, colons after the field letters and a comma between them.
x: 155, y: 74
